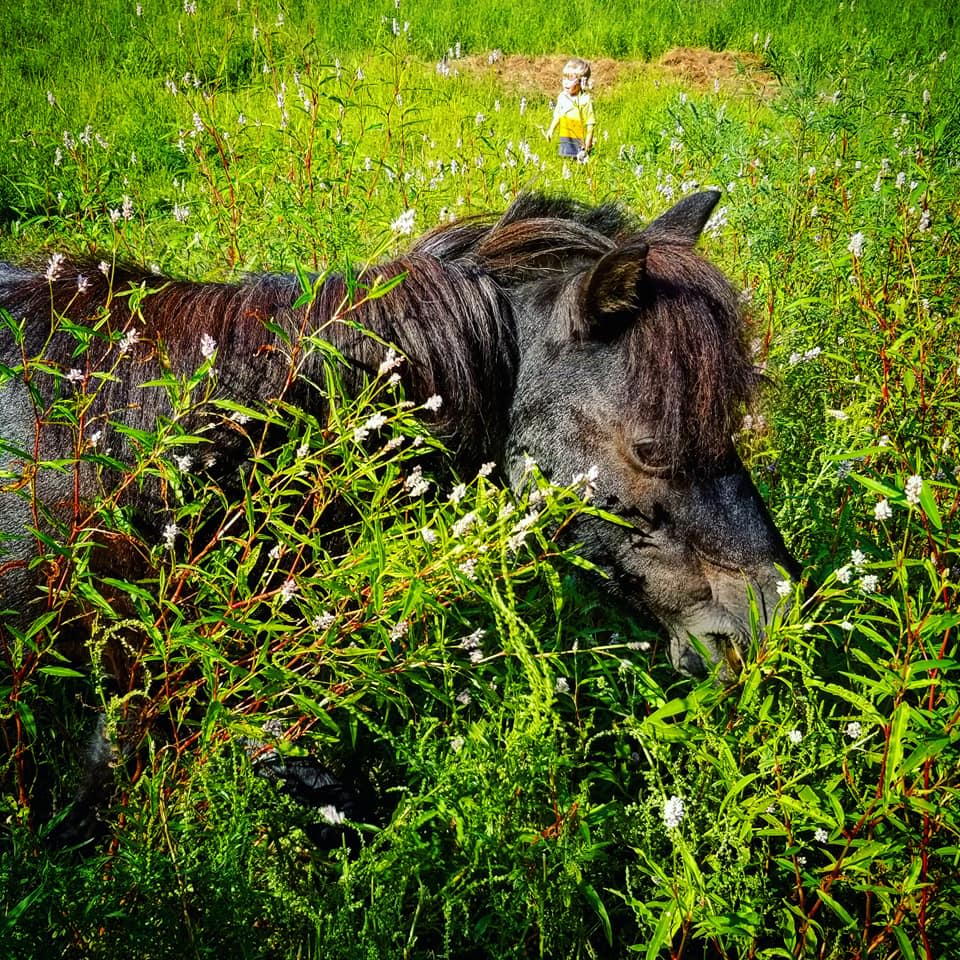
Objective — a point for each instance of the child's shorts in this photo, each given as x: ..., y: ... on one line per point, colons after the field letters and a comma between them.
x: 570, y: 147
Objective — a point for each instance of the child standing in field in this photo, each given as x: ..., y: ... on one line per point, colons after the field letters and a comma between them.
x: 573, y: 117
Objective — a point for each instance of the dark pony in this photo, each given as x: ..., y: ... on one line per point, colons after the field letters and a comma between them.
x: 561, y: 332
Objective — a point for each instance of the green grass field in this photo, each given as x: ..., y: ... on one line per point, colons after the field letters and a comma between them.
x: 523, y: 742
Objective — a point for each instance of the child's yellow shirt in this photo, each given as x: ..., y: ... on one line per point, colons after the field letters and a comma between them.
x: 573, y: 114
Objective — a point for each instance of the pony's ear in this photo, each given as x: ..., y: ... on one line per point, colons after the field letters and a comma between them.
x: 683, y: 223
x: 611, y: 291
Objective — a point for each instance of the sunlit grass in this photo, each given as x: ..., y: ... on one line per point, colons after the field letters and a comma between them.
x: 539, y: 782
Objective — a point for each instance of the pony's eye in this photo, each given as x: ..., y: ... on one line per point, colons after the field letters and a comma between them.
x: 646, y: 452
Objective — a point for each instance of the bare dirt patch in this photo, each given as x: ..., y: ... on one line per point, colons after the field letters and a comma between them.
x: 733, y: 72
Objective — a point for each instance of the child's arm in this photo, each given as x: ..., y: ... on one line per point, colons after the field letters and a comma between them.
x: 590, y: 123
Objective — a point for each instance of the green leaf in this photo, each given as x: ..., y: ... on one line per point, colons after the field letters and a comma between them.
x: 594, y: 900
x: 895, y: 745
x: 61, y: 672
x: 925, y: 751
x: 929, y: 506
x: 837, y: 909
x: 876, y: 486
x: 905, y: 943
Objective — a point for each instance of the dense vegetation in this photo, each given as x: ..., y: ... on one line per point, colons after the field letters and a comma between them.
x: 538, y: 781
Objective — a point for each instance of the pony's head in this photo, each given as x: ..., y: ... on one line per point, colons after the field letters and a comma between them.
x: 634, y: 372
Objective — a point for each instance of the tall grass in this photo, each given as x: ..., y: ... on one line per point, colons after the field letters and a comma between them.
x: 532, y: 779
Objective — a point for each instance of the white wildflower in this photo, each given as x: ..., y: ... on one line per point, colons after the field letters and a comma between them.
x: 331, y: 815
x: 183, y: 462
x: 795, y: 735
x: 858, y: 558
x: 472, y: 640
x: 130, y: 338
x: 844, y: 574
x: 521, y: 528
x: 784, y: 588
x: 856, y: 245
x: 404, y: 223
x: 433, y: 403
x: 288, y: 591
x: 820, y: 835
x: 458, y: 493
x: 208, y: 346
x: 390, y: 362
x: 399, y: 630
x: 882, y: 510
x: 868, y: 583
x: 590, y: 482
x: 53, y: 266
x: 429, y: 536
x: 374, y: 422
x: 170, y: 532
x: 323, y: 621
x: 853, y: 729
x: 416, y: 484
x: 463, y: 524
x: 673, y: 812
x: 562, y: 685
x: 913, y: 489
x: 486, y: 469
x: 73, y: 375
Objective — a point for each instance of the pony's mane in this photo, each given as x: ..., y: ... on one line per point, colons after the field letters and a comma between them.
x: 450, y: 321
x: 689, y: 368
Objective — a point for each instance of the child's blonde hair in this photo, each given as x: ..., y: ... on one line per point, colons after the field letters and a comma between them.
x: 576, y: 67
